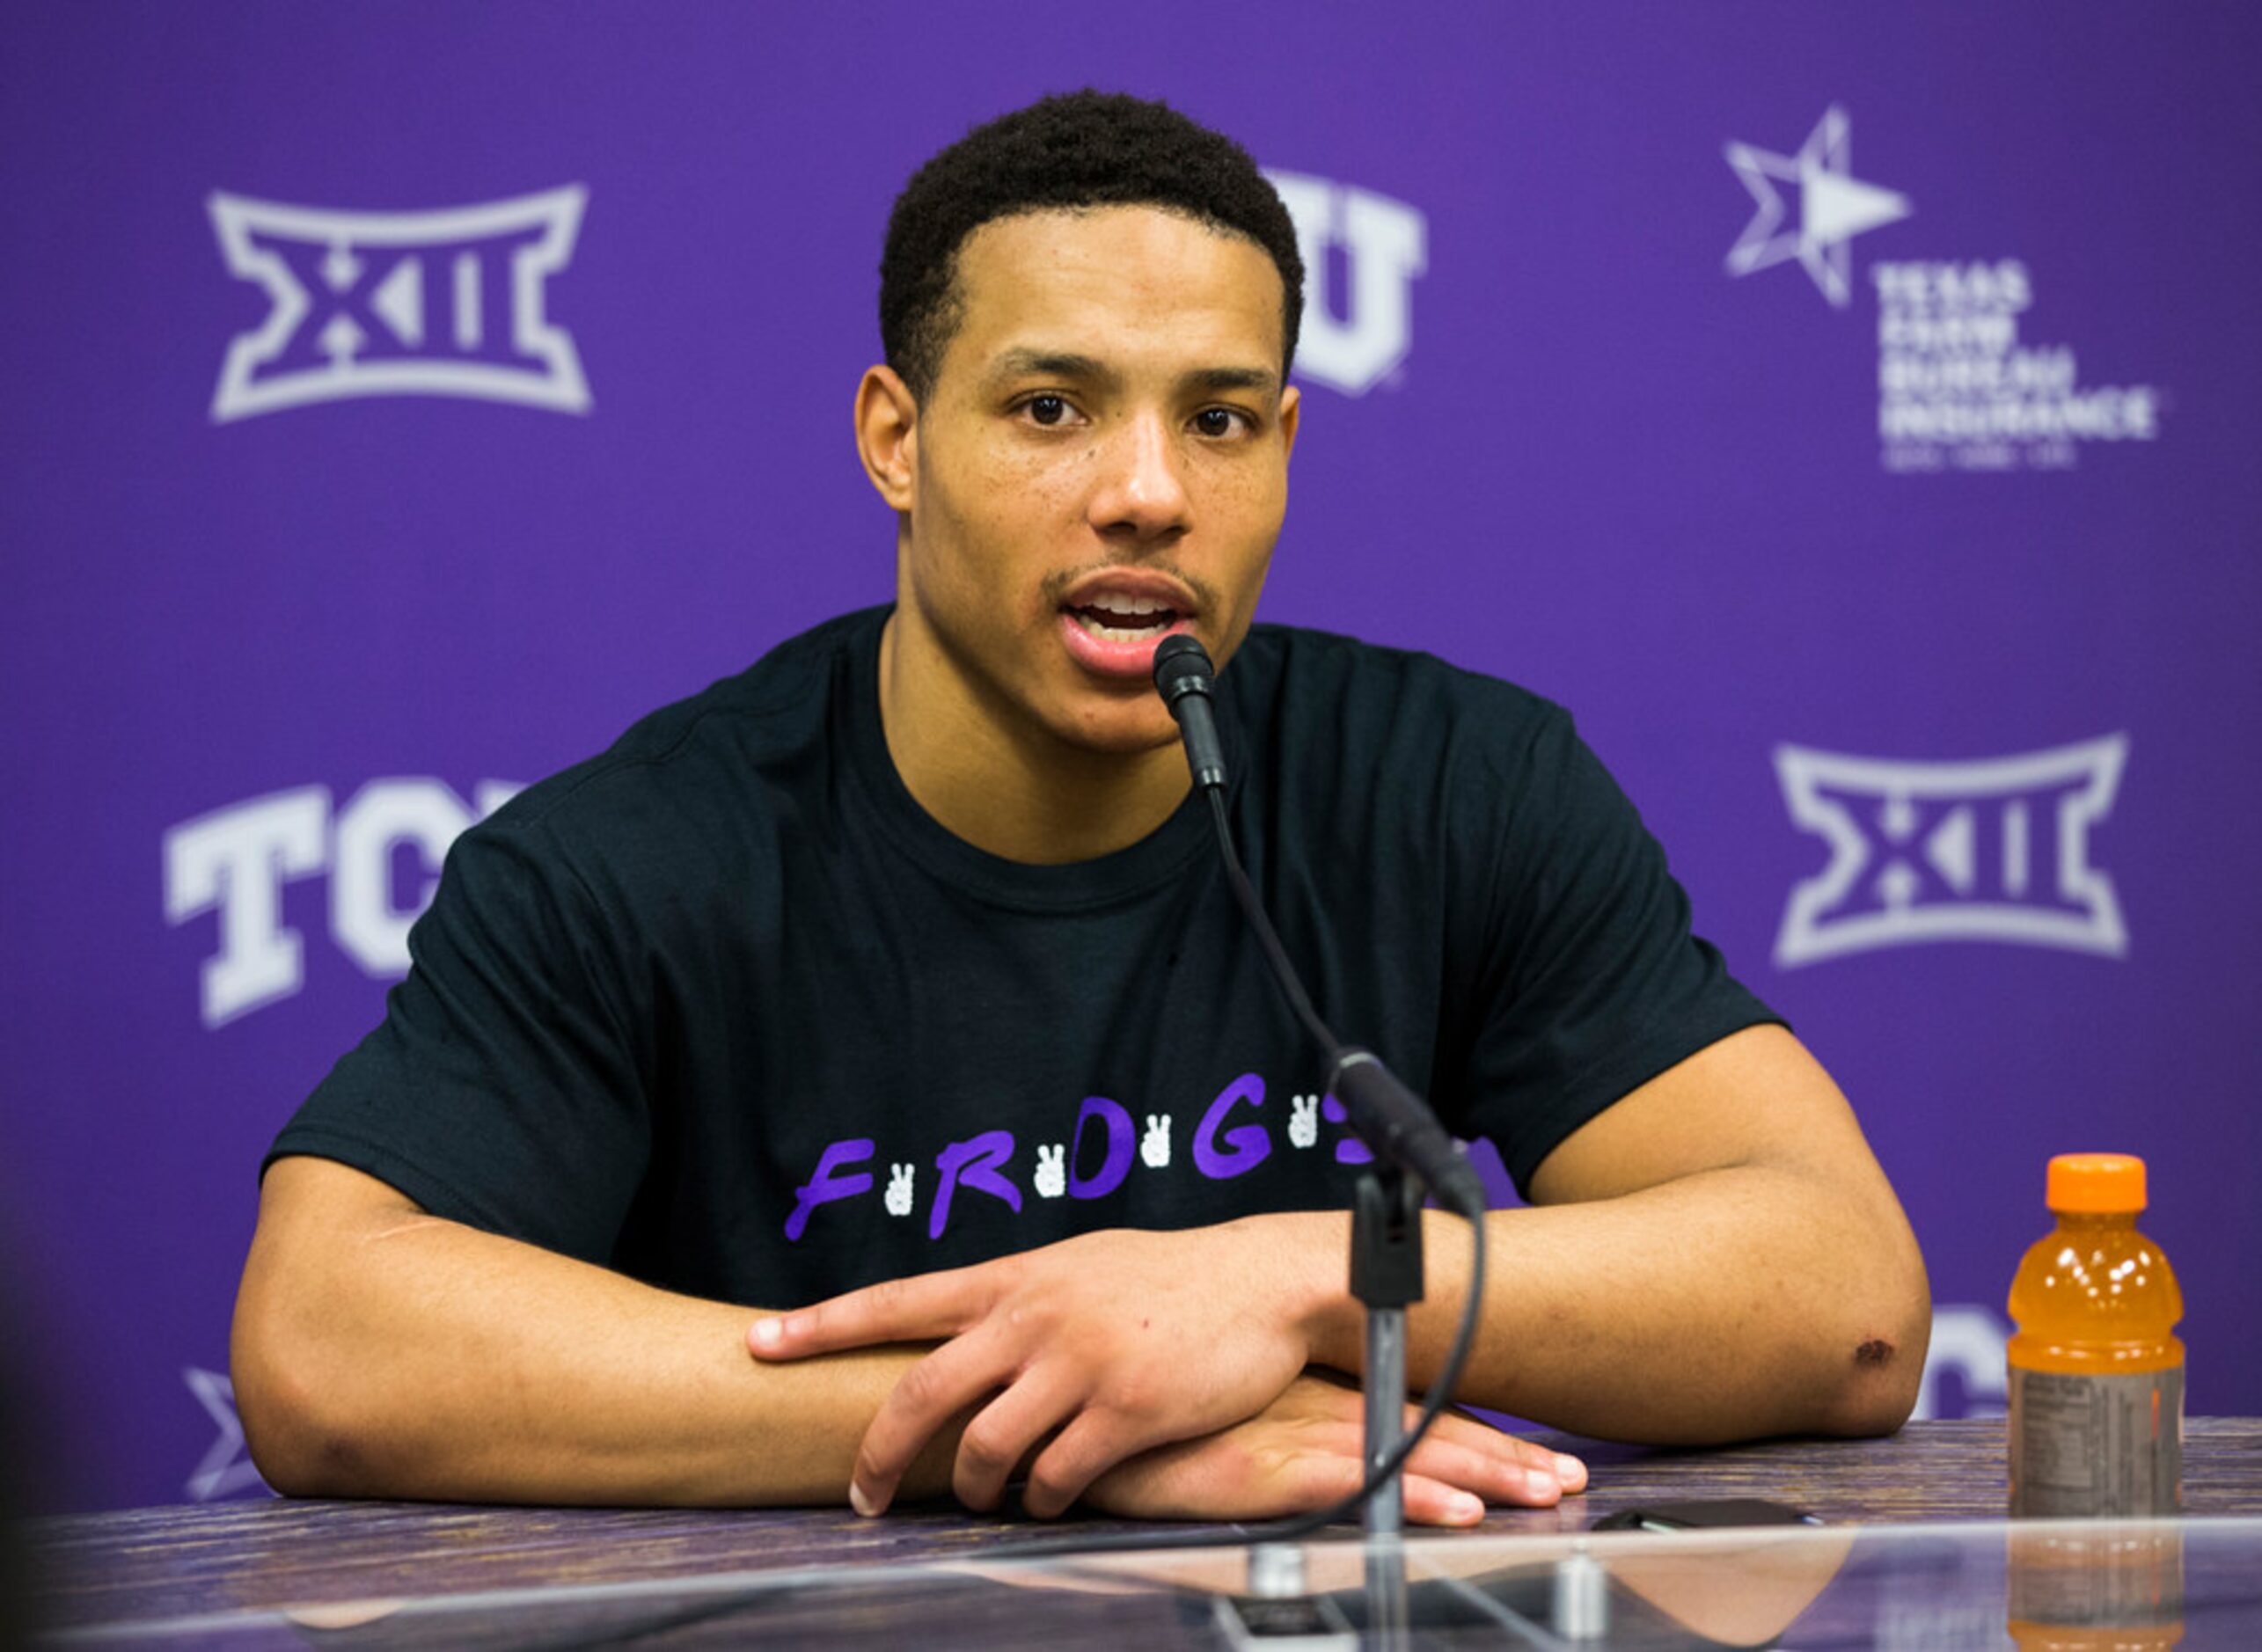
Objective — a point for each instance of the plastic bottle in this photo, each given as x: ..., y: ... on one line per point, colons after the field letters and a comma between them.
x: 2097, y: 1372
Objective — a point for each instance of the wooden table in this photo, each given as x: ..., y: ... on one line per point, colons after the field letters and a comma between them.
x: 194, y: 1565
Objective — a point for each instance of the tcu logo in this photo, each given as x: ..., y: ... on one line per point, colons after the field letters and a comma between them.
x: 1996, y: 850
x: 1385, y: 246
x: 236, y: 860
x: 400, y: 303
x: 1968, y: 1341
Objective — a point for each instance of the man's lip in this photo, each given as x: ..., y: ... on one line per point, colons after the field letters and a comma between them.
x: 1127, y: 662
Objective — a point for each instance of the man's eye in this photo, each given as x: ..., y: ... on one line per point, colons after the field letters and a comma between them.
x: 1047, y: 410
x: 1218, y: 421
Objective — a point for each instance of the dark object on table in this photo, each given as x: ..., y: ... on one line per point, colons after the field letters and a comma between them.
x: 1706, y: 1513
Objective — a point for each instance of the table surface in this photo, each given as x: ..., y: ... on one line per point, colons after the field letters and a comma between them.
x: 104, y: 1575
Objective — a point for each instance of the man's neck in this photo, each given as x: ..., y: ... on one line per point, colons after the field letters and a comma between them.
x: 1017, y: 793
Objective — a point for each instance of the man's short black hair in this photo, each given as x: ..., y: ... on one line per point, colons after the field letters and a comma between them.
x: 1078, y: 150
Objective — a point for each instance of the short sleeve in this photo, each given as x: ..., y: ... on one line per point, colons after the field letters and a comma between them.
x: 501, y: 1089
x: 1590, y: 982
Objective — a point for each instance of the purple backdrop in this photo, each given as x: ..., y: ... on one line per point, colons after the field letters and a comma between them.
x: 400, y: 400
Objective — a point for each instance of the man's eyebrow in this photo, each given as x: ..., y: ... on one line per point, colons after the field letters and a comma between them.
x: 1218, y: 379
x: 1023, y: 363
x: 1069, y: 366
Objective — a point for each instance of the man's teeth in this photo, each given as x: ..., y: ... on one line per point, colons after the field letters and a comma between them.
x: 1126, y: 618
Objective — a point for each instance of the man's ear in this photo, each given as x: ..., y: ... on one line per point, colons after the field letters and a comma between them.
x: 886, y: 435
x: 1292, y: 407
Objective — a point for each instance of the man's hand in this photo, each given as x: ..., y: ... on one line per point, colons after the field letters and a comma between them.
x: 1112, y: 1343
x: 1304, y: 1452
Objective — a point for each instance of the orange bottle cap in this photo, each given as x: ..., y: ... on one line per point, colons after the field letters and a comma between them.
x: 2096, y: 1183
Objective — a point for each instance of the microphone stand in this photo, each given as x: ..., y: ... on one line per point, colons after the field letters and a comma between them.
x: 1386, y: 1277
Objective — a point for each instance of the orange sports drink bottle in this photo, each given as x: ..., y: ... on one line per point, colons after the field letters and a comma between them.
x: 2097, y: 1372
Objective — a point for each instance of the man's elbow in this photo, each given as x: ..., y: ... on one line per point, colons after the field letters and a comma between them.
x: 300, y: 1424
x: 1872, y: 1358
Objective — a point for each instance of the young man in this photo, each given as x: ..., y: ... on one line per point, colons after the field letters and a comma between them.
x: 921, y: 900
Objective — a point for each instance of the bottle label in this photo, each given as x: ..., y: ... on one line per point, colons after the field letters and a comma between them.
x: 2096, y: 1446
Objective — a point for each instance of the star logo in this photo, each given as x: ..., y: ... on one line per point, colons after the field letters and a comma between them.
x: 225, y: 1470
x: 1833, y: 207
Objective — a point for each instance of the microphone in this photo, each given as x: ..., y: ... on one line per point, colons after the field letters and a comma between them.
x: 1185, y: 679
x: 1394, y: 1123
x: 1398, y: 1126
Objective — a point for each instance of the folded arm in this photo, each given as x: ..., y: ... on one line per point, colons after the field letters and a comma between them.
x: 1717, y: 1256
x: 382, y: 1352
x: 379, y: 1351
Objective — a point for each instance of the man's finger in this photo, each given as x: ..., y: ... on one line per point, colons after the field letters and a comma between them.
x: 1520, y: 1458
x: 1434, y: 1502
x: 915, y: 1310
x: 1004, y: 1432
x: 923, y: 1398
x: 1490, y: 1475
x: 1569, y: 1472
x: 1321, y: 1480
x: 1087, y: 1449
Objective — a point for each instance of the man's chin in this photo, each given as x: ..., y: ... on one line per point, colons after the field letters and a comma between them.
x: 1123, y: 731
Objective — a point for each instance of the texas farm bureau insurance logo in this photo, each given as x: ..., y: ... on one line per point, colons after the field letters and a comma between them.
x: 449, y: 303
x: 1959, y: 384
x: 1354, y: 339
x: 1994, y: 849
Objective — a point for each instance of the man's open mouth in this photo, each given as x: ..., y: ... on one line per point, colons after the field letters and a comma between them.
x: 1114, y: 619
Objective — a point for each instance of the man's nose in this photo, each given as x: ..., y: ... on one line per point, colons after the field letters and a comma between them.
x: 1141, y: 491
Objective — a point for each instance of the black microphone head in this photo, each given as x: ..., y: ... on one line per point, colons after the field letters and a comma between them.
x: 1182, y: 666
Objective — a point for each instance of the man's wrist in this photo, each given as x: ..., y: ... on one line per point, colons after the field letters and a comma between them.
x: 1309, y: 1254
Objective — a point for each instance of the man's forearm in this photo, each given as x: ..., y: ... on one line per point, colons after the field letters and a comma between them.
x: 1717, y: 1256
x: 1729, y: 1304
x: 419, y: 1358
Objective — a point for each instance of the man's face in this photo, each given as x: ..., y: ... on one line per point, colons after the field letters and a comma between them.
x: 1102, y: 460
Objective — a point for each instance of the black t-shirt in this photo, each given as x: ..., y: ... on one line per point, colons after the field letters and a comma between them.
x: 726, y: 1010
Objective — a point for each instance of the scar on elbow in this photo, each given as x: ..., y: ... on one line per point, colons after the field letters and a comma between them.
x: 1876, y: 1351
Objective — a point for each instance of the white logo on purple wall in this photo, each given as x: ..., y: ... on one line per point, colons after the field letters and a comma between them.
x: 1383, y: 245
x: 447, y: 302
x: 236, y: 860
x: 1995, y: 850
x: 1833, y: 207
x: 225, y: 1468
x: 1961, y: 385
x: 1968, y: 1342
